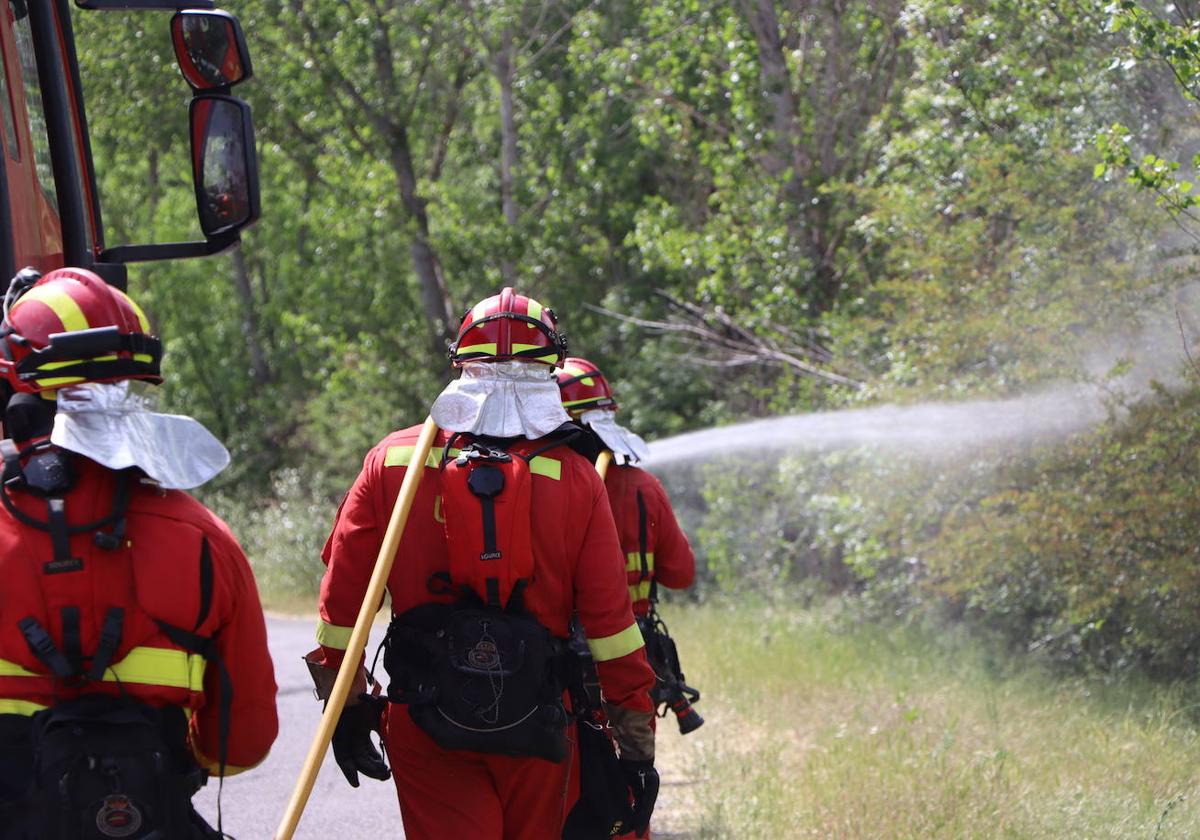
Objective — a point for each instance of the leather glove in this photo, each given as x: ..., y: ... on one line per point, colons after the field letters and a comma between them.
x: 642, y: 779
x: 352, y: 747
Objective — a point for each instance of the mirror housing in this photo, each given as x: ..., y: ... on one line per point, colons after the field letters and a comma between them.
x: 210, y: 48
x: 225, y: 176
x: 224, y: 165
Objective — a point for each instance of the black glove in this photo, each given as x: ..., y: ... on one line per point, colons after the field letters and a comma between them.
x: 642, y: 779
x: 352, y: 747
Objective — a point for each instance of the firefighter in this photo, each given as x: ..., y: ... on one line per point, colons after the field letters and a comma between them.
x: 509, y: 535
x: 654, y: 548
x: 133, y: 650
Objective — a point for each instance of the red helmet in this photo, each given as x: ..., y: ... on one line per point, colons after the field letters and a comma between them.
x: 583, y: 387
x: 509, y: 326
x: 71, y: 327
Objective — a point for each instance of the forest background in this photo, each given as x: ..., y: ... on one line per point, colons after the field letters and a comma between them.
x: 739, y: 209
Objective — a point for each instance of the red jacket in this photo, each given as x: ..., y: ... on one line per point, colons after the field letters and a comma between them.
x: 575, y: 551
x: 669, y: 558
x: 156, y: 573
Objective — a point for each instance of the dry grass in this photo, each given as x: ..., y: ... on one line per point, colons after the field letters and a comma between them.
x: 859, y: 732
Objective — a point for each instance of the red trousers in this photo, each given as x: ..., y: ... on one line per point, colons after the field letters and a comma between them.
x: 456, y: 795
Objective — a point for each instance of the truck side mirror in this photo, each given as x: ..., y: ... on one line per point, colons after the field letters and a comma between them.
x: 224, y: 166
x: 210, y: 48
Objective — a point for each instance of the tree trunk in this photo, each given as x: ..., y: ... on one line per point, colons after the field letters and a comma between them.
x: 435, y: 298
x: 508, y: 148
x: 260, y: 372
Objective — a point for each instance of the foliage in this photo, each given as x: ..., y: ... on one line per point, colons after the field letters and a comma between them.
x: 906, y: 191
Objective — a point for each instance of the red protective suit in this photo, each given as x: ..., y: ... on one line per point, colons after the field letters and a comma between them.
x: 669, y: 558
x: 155, y: 573
x: 577, y: 568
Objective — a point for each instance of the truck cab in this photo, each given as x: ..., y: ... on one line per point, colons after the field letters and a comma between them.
x: 50, y: 212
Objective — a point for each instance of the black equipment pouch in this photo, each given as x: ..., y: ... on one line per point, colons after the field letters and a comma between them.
x: 107, y: 767
x: 602, y: 810
x: 479, y: 678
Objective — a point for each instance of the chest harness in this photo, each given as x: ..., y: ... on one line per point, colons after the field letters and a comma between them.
x: 104, y: 766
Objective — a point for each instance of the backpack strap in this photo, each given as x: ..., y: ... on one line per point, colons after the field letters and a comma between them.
x: 643, y: 545
x: 206, y: 583
x: 67, y: 664
x: 110, y: 640
x: 72, y: 644
x: 206, y: 646
x: 43, y: 647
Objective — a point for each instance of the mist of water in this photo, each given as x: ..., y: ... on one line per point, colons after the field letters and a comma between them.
x: 928, y: 428
x: 1154, y: 351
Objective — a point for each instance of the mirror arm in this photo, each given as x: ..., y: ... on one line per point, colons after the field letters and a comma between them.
x: 169, y: 250
x: 120, y: 5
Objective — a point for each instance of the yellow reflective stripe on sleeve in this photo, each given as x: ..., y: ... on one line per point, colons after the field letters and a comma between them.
x: 19, y: 707
x: 159, y: 666
x: 12, y: 669
x: 400, y: 456
x: 633, y: 561
x: 639, y: 591
x: 614, y: 647
x: 333, y: 636
x: 60, y: 302
x: 549, y: 467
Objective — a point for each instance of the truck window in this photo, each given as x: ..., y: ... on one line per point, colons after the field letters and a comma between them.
x: 33, y: 101
x: 9, y: 118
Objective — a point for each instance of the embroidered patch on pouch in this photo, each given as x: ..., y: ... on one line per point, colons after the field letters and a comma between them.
x: 118, y: 816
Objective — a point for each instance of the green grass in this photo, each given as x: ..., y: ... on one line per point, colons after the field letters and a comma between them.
x: 816, y: 727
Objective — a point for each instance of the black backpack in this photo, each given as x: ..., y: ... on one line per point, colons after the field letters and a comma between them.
x: 479, y: 678
x: 106, y: 767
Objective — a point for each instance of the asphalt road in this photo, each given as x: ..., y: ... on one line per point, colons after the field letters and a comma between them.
x: 253, y: 802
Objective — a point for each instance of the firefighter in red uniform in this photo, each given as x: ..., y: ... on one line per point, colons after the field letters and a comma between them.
x: 133, y: 651
x: 509, y: 535
x: 655, y: 549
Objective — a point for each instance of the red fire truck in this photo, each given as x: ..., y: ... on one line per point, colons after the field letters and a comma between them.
x: 49, y: 207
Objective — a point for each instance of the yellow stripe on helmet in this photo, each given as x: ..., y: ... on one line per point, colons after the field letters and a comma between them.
x: 59, y: 381
x: 69, y: 362
x: 535, y: 310
x: 484, y: 349
x: 141, y: 316
x: 60, y: 303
